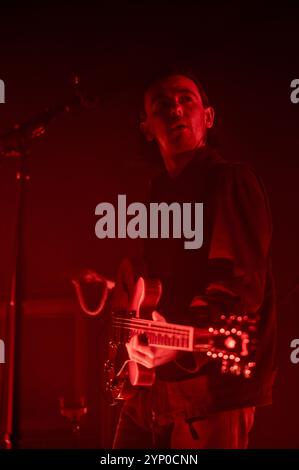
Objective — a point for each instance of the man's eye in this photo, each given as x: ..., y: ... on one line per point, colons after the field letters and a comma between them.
x: 164, y: 104
x: 161, y: 105
x: 186, y: 99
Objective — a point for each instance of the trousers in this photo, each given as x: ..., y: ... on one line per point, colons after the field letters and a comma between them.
x: 218, y: 430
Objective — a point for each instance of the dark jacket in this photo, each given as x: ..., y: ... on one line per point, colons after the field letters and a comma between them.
x: 230, y: 273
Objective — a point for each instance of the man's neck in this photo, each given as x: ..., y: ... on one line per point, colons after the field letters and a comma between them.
x: 176, y: 164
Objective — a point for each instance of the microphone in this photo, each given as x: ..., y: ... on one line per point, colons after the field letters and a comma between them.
x: 12, y: 142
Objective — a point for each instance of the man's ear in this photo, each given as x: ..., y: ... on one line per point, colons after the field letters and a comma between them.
x: 146, y: 131
x: 209, y: 117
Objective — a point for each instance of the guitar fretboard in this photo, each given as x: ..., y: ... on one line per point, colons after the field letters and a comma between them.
x: 167, y: 335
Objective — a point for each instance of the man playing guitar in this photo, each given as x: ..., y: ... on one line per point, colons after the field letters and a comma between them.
x: 193, y: 403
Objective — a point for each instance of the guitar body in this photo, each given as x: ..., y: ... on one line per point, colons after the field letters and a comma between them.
x: 135, y: 299
x: 140, y: 375
x: 144, y: 300
x: 226, y: 340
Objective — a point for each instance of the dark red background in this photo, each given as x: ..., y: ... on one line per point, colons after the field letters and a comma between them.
x: 247, y: 58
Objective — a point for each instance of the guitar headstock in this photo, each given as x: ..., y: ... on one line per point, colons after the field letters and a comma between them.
x: 232, y: 340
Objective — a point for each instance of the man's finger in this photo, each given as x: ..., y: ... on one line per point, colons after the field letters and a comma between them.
x: 157, y: 316
x: 140, y: 358
x: 146, y: 351
x: 142, y: 348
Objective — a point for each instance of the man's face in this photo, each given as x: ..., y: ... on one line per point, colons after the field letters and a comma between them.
x: 175, y: 116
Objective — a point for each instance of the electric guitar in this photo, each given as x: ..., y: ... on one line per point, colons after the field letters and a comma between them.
x: 227, y: 341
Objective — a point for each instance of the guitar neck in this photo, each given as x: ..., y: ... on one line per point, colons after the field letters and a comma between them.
x: 161, y: 334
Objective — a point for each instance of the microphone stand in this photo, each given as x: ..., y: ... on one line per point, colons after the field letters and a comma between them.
x: 16, y: 143
x: 15, y: 313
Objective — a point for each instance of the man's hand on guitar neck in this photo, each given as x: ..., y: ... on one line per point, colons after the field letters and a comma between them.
x: 149, y: 356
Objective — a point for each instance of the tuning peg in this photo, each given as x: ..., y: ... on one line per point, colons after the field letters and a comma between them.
x: 230, y: 343
x: 247, y: 373
x: 224, y: 366
x: 248, y: 369
x: 236, y: 370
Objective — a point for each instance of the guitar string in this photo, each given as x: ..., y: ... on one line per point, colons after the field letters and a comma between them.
x: 152, y: 324
x: 145, y: 326
x: 138, y: 325
x: 181, y: 342
x: 164, y: 338
x: 183, y: 337
x: 161, y: 328
x: 140, y: 331
x: 141, y: 325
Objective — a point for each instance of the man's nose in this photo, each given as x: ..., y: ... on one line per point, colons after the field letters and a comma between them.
x: 176, y: 109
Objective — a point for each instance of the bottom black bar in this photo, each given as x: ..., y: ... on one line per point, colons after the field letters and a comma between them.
x: 142, y: 457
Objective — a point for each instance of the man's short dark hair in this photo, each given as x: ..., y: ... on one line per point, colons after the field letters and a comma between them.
x: 170, y: 71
